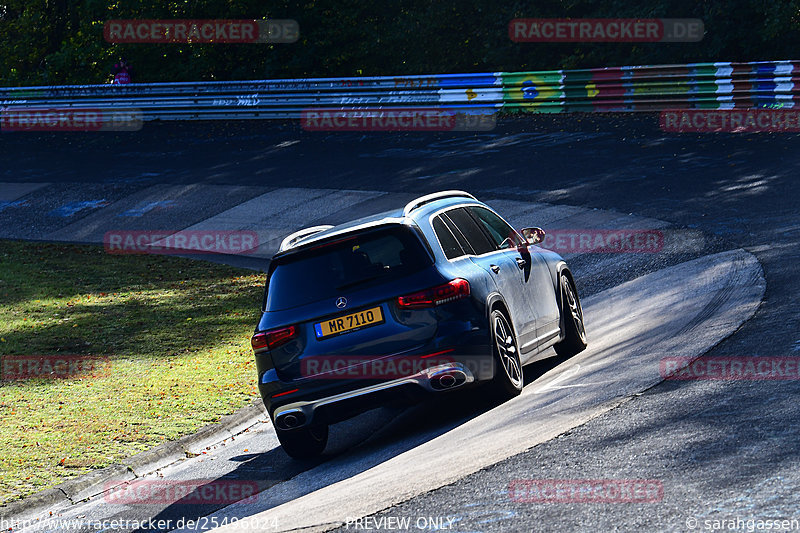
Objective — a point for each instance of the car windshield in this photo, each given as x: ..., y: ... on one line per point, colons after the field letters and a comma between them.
x: 352, y: 263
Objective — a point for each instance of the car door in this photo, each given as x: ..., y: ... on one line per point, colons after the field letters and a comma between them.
x: 499, y: 259
x: 548, y: 313
x: 532, y: 271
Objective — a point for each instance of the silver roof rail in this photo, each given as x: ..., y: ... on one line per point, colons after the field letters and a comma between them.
x: 422, y: 200
x: 292, y: 239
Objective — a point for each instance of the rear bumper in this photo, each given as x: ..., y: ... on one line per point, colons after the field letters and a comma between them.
x: 332, y: 398
x: 444, y: 377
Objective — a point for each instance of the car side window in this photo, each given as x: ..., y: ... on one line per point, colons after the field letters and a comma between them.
x: 469, y: 228
x: 458, y: 235
x: 503, y: 235
x: 449, y: 243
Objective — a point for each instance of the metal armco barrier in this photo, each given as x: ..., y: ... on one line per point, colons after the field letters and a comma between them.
x: 770, y: 84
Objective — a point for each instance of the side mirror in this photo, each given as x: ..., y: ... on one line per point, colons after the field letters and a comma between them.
x: 533, y: 235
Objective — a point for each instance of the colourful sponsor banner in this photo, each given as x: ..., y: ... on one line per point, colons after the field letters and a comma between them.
x: 466, y: 80
x: 542, y: 92
x: 700, y: 86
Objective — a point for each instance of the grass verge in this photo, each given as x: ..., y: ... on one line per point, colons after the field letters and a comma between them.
x: 176, y: 334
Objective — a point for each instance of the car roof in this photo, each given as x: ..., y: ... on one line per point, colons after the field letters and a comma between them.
x: 414, y: 211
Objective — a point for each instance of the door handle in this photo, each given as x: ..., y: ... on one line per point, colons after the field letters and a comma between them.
x: 495, y: 268
x: 521, y: 262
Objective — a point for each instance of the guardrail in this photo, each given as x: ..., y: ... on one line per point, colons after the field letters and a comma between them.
x: 637, y: 88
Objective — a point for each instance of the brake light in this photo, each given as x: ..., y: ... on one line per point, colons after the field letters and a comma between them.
x: 458, y: 288
x: 331, y: 243
x: 273, y: 339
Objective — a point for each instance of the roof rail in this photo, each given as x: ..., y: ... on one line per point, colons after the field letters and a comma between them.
x: 292, y: 239
x: 422, y: 200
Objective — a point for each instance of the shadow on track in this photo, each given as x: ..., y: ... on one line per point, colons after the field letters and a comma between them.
x: 354, y: 446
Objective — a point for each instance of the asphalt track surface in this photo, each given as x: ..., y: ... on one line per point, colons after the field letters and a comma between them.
x: 722, y: 450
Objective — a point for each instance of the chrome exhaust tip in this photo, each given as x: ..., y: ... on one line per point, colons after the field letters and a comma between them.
x: 290, y: 420
x: 448, y: 379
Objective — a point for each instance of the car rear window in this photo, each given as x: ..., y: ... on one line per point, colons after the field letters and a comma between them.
x: 348, y: 264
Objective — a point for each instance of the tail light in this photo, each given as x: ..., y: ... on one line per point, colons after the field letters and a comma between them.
x: 453, y: 290
x: 273, y: 339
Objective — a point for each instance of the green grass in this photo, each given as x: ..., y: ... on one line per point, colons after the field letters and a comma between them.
x: 176, y: 333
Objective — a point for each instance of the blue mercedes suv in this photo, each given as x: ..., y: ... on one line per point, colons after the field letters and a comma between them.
x: 440, y: 295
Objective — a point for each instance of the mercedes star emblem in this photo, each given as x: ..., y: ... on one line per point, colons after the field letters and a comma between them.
x: 341, y: 302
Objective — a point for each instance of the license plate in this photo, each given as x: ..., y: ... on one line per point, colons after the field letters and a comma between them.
x: 351, y: 322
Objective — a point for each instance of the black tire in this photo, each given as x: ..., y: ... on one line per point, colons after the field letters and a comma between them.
x: 508, y: 377
x: 304, y: 443
x: 572, y: 313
